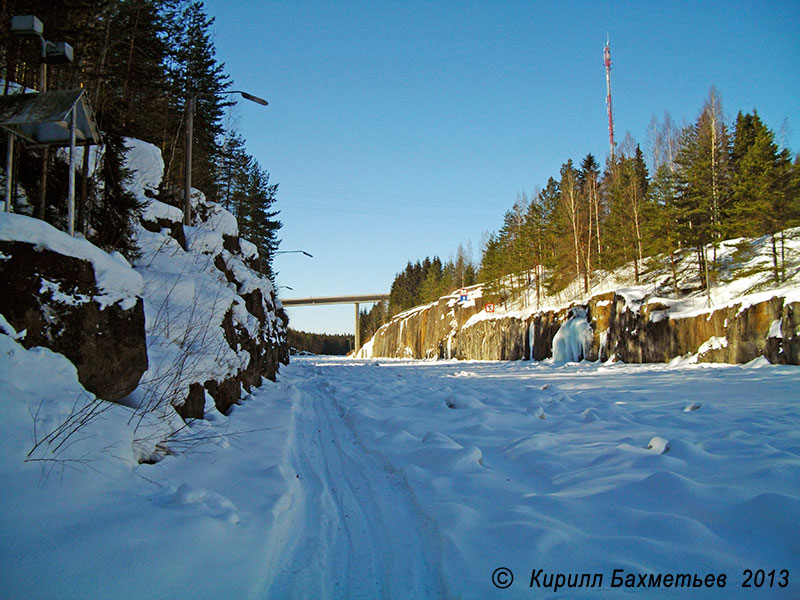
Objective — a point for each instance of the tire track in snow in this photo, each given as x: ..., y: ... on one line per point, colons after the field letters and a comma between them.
x: 355, y: 530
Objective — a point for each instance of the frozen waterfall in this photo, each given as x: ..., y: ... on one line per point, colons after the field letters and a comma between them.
x: 573, y: 341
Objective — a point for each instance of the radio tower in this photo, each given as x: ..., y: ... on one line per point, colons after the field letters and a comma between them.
x: 607, y: 61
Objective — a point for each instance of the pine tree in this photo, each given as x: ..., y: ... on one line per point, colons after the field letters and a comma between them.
x: 193, y: 71
x: 660, y: 219
x: 112, y: 219
x: 570, y: 205
x: 590, y: 196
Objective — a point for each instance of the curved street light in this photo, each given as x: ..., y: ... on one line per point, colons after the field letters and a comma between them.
x: 293, y: 252
x: 191, y: 103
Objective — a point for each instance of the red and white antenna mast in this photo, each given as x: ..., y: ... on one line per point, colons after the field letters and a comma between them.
x: 607, y: 61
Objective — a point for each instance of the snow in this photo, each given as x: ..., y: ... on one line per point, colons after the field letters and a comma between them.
x: 146, y: 166
x: 381, y: 478
x: 713, y: 343
x: 408, y: 479
x: 775, y: 329
x: 116, y: 281
x: 185, y: 300
x: 143, y: 161
x: 186, y: 296
x: 155, y: 210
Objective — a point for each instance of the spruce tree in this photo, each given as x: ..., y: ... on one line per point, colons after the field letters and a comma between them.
x: 703, y: 183
x: 762, y: 199
x: 257, y: 222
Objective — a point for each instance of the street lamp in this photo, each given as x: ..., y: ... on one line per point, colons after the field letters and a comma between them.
x: 51, y: 52
x: 191, y: 103
x: 292, y: 252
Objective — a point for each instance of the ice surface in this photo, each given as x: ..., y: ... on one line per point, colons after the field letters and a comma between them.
x: 411, y: 479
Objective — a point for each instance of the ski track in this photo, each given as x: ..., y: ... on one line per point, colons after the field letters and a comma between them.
x: 354, y: 529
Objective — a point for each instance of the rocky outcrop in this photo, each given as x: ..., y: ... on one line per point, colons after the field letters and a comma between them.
x: 55, y: 300
x: 624, y: 328
x: 215, y: 326
x: 246, y: 313
x: 425, y: 332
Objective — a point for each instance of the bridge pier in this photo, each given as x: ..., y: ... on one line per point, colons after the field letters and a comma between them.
x: 358, y: 331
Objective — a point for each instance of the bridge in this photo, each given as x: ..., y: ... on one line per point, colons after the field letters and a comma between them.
x: 357, y: 300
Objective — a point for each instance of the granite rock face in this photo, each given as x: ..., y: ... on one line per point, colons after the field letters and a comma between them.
x: 633, y: 331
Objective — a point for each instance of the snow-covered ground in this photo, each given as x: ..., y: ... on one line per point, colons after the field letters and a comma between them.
x: 411, y: 479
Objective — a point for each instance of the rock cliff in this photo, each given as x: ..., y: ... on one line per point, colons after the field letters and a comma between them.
x: 626, y: 325
x: 189, y: 326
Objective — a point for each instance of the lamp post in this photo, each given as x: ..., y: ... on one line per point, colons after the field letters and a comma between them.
x: 191, y: 105
x: 53, y: 52
x: 292, y: 252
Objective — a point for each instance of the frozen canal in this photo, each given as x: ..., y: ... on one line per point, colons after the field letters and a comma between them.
x: 408, y: 479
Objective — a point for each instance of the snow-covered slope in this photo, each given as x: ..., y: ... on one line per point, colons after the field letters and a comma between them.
x: 213, y: 323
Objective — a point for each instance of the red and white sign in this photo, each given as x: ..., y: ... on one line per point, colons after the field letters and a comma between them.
x: 489, y: 307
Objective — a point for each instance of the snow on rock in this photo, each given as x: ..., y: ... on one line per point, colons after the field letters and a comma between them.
x: 146, y: 166
x: 115, y: 281
x: 658, y: 445
x: 775, y: 330
x: 713, y: 343
x: 194, y: 311
x: 156, y: 211
x: 214, y: 325
x: 574, y: 338
x: 143, y: 161
x: 71, y: 297
x: 212, y: 216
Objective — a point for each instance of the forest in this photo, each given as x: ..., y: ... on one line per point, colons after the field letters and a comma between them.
x: 704, y: 183
x: 139, y: 62
x: 337, y: 344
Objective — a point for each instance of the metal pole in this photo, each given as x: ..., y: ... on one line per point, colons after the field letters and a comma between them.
x: 45, y: 149
x: 187, y: 185
x: 358, y: 332
x: 71, y: 198
x: 9, y: 169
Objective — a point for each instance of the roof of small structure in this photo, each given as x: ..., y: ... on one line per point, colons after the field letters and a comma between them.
x: 43, y: 119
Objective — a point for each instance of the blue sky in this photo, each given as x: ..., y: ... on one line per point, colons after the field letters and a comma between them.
x: 399, y: 130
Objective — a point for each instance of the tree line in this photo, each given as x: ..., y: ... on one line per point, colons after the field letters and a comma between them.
x: 706, y: 182
x: 420, y: 282
x: 139, y: 61
x: 320, y: 343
